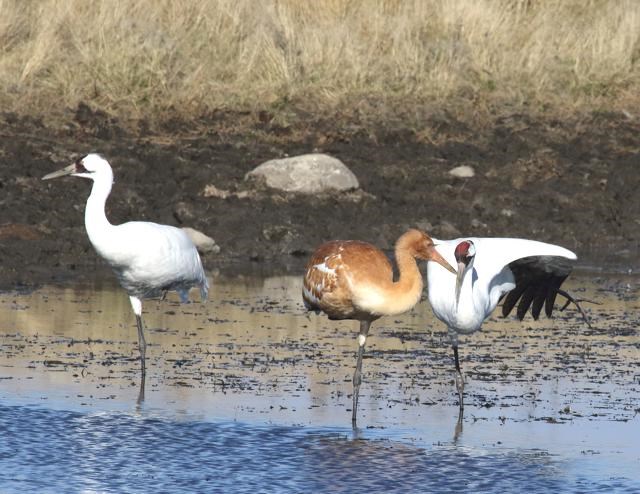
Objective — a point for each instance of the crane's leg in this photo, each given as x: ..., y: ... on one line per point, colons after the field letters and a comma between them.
x: 575, y: 301
x: 357, y: 375
x: 140, y: 400
x: 457, y: 432
x: 459, y: 379
x: 136, y: 304
x: 459, y: 376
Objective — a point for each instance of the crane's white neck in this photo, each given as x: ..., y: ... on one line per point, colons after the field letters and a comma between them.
x: 466, y: 300
x: 470, y: 312
x: 95, y: 219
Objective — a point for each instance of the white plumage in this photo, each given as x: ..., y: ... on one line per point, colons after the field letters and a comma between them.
x: 173, y: 262
x: 149, y: 259
x: 526, y: 273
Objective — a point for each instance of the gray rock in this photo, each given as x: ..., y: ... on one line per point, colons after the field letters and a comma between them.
x: 203, y: 243
x: 507, y: 212
x: 464, y: 171
x: 307, y: 174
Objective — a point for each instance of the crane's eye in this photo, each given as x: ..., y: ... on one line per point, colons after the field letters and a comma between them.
x: 80, y: 167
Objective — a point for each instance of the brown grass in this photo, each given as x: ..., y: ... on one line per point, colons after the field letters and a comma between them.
x: 151, y: 58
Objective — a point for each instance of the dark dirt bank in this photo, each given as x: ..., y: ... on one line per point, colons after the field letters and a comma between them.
x: 573, y: 182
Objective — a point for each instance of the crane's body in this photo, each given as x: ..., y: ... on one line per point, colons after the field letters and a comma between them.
x: 526, y: 273
x: 349, y: 279
x: 174, y: 266
x: 354, y: 280
x: 149, y: 259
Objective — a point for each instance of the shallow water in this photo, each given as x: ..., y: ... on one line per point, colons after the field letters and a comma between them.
x: 247, y: 393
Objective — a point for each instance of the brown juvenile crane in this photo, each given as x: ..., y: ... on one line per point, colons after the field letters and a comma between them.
x: 348, y: 279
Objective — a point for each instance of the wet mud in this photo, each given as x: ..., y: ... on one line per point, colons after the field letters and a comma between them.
x: 572, y: 182
x: 254, y: 339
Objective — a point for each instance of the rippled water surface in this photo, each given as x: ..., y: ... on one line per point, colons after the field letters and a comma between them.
x: 247, y: 393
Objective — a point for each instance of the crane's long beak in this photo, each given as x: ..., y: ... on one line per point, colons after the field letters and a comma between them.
x: 461, y: 270
x: 436, y: 257
x: 68, y: 170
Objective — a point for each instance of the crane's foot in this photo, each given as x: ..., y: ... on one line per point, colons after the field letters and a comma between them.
x: 576, y: 302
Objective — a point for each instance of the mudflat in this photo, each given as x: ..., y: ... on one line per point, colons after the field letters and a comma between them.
x: 570, y: 181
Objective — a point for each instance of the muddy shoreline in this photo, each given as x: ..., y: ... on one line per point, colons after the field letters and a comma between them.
x: 573, y: 182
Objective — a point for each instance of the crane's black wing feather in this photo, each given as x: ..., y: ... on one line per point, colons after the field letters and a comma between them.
x: 538, y: 280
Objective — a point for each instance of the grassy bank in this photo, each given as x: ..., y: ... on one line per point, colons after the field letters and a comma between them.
x: 376, y: 58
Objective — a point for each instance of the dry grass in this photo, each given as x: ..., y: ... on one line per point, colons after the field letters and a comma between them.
x: 147, y: 58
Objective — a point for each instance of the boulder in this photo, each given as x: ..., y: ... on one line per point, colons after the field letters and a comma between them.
x: 203, y: 243
x: 464, y: 171
x: 306, y: 174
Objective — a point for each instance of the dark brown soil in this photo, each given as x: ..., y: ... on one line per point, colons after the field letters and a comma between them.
x: 572, y: 182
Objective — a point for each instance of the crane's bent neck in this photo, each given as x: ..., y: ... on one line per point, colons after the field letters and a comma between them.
x: 95, y: 219
x: 406, y: 292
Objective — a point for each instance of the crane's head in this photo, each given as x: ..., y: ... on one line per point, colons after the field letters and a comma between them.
x: 91, y: 166
x: 422, y: 247
x: 465, y: 253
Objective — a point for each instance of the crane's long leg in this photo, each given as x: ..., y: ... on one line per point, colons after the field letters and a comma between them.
x: 459, y: 376
x: 140, y: 400
x: 142, y: 344
x: 459, y: 379
x: 575, y: 301
x: 357, y: 375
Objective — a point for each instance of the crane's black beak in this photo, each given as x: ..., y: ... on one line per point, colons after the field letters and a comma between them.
x: 68, y: 170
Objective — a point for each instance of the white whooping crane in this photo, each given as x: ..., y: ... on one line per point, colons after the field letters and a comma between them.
x: 527, y: 273
x: 348, y: 279
x: 149, y: 259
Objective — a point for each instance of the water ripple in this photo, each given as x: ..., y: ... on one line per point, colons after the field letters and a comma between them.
x: 47, y: 450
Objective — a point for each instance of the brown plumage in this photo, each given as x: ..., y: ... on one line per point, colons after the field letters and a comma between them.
x: 348, y: 279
